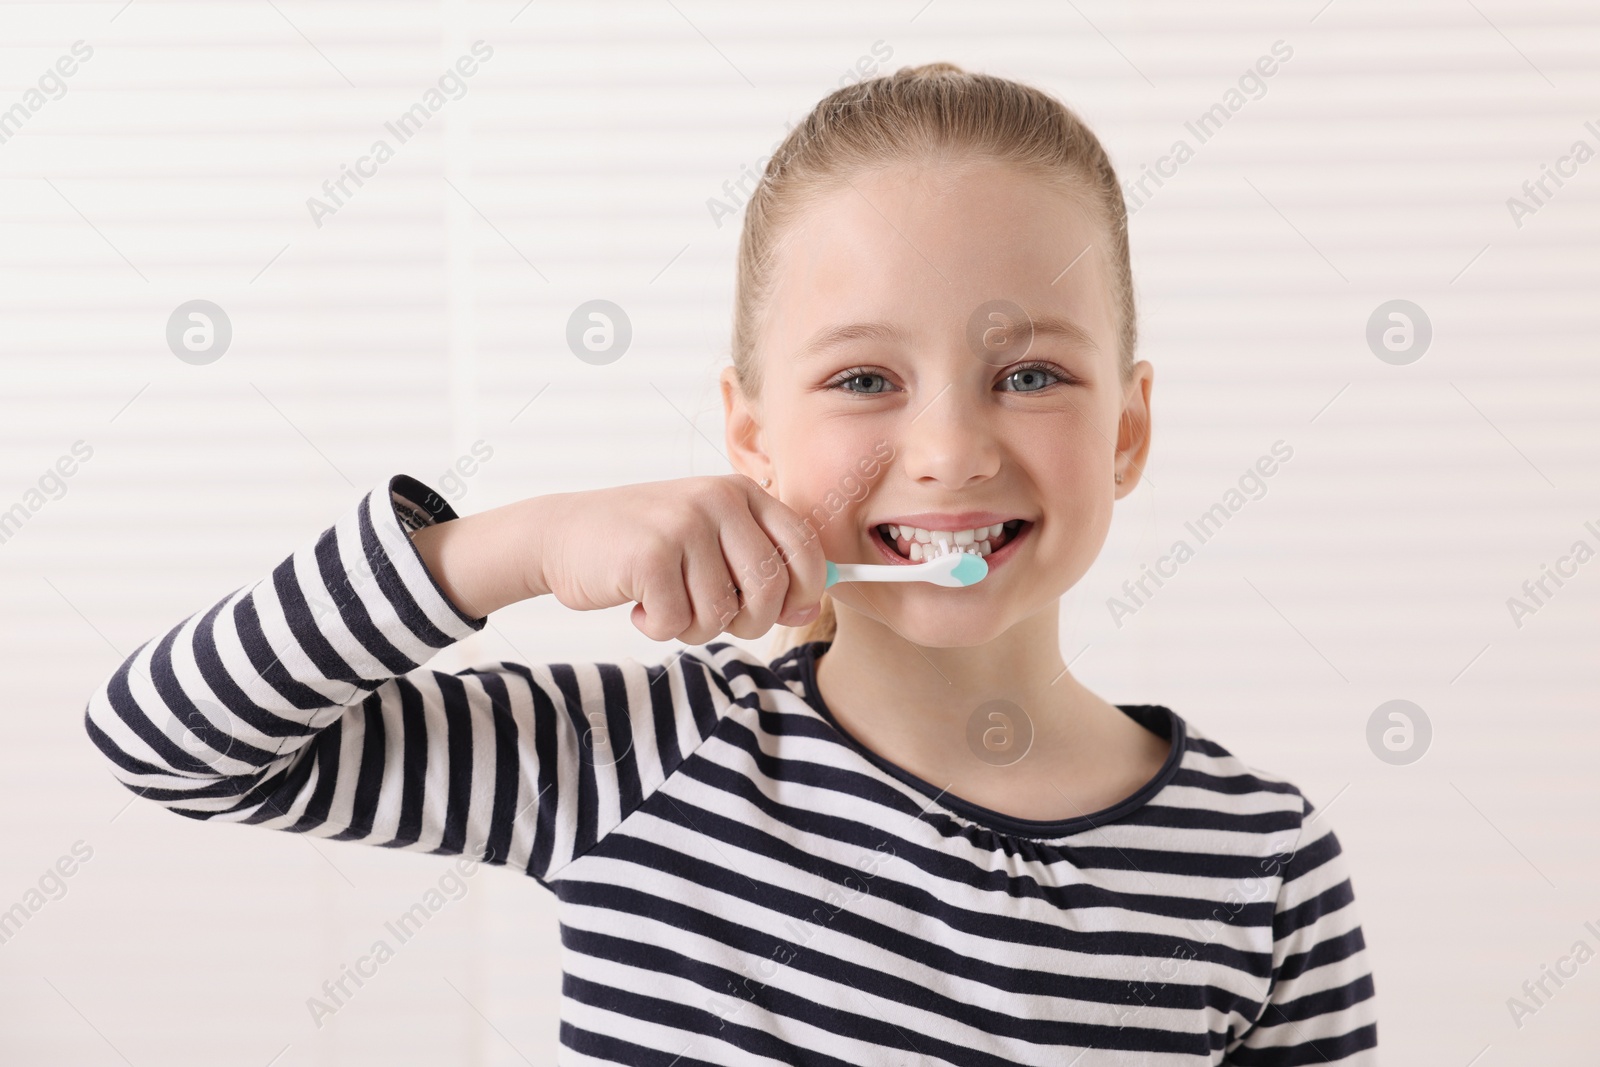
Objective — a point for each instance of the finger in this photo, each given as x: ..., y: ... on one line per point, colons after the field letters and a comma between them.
x: 752, y: 559
x: 664, y: 610
x: 799, y: 552
x: 712, y: 593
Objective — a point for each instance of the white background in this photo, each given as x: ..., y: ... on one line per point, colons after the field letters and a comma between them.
x: 426, y: 313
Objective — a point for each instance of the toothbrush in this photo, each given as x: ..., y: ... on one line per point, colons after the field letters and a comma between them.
x: 952, y: 568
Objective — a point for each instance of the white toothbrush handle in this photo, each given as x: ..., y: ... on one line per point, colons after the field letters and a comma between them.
x: 873, y: 572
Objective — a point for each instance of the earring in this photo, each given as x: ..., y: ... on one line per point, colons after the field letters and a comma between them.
x: 1119, y: 479
x: 766, y: 483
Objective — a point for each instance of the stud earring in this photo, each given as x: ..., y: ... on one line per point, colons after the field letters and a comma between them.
x: 766, y: 483
x: 1119, y: 479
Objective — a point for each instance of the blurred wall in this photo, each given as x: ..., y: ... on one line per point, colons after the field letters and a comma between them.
x: 1394, y: 153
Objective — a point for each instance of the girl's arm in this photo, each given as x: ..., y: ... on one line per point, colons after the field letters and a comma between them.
x: 298, y: 702
x: 1319, y: 1005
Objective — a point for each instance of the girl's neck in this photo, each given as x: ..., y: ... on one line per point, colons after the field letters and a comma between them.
x: 916, y: 707
x: 878, y: 668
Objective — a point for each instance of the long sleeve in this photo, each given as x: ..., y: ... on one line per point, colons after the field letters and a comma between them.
x: 1319, y: 1006
x: 301, y: 703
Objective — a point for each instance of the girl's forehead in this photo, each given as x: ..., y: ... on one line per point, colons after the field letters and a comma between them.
x: 910, y: 225
x: 972, y: 198
x: 925, y: 244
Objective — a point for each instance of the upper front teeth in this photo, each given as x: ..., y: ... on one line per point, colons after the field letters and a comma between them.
x: 918, y: 551
x: 959, y: 537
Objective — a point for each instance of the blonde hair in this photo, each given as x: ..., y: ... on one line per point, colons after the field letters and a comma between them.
x: 929, y: 113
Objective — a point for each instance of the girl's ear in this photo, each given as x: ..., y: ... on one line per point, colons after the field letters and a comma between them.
x: 1133, y: 428
x: 742, y: 432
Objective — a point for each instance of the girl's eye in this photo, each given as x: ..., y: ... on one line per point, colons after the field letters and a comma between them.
x: 1030, y: 379
x: 861, y: 381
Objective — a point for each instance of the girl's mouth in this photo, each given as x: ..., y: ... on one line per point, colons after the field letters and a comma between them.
x: 910, y: 544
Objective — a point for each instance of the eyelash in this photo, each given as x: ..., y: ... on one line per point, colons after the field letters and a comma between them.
x: 1061, y: 376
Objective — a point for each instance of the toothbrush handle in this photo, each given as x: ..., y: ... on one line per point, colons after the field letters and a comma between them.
x: 871, y: 572
x: 953, y: 571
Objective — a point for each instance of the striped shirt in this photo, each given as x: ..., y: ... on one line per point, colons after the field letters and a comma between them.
x: 739, y: 881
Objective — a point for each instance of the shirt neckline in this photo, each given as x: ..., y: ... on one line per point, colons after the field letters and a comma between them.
x: 1157, y: 718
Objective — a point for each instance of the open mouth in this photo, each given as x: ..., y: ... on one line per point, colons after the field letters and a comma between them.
x: 914, y: 544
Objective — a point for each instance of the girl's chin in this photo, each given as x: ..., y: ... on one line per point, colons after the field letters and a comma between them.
x: 913, y: 614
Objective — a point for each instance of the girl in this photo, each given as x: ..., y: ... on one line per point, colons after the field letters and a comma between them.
x: 911, y: 837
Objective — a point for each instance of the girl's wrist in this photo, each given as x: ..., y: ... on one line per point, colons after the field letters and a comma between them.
x: 479, y: 561
x: 523, y: 525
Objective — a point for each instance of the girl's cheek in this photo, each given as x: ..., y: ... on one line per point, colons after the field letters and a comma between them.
x: 835, y: 510
x: 835, y: 467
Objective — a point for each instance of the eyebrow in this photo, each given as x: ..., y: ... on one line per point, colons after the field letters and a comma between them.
x: 833, y: 337
x: 1051, y: 326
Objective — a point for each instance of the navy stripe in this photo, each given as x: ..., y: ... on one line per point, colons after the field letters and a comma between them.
x: 1321, y: 1050
x: 369, y: 780
x: 413, y: 765
x: 618, y: 747
x: 458, y: 750
x: 587, y: 800
x: 506, y: 740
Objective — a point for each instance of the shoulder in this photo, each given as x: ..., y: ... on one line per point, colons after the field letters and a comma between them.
x: 1209, y: 766
x: 1297, y: 847
x: 1240, y: 795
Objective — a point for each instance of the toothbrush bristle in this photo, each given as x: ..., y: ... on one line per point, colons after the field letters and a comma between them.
x: 963, y: 567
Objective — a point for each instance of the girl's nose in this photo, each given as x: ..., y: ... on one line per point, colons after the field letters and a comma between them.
x: 949, y: 439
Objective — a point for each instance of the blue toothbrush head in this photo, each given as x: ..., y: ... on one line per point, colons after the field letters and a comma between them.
x: 969, y: 569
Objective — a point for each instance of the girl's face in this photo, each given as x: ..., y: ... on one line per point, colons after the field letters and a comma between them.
x: 891, y: 399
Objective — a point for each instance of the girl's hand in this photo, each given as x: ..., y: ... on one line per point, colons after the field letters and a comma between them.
x: 696, y: 556
x: 677, y: 549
